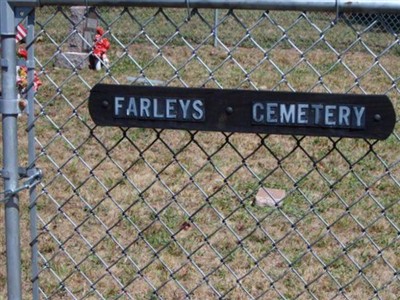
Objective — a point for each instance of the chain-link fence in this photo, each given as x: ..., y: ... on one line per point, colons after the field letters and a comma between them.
x: 126, y: 213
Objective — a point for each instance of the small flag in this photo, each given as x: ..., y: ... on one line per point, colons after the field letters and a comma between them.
x: 21, y: 33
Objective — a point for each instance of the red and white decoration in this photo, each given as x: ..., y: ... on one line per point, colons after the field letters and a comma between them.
x: 22, y: 32
x: 100, y: 48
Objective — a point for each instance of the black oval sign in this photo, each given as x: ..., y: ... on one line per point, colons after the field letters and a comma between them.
x: 336, y: 115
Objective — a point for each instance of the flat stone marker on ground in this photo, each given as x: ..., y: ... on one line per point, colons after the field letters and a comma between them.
x: 269, y: 197
x: 70, y: 60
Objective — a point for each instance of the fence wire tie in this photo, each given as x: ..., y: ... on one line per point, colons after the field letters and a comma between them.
x: 29, y: 183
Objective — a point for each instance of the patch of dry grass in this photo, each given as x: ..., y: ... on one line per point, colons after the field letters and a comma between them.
x: 161, y: 213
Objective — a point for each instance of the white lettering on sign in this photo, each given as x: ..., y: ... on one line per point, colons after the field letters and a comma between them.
x: 118, y: 104
x: 329, y: 115
x: 303, y: 114
x: 159, y: 109
x: 131, y: 110
x: 317, y: 108
x: 287, y: 114
x: 257, y: 112
x: 271, y: 112
x: 156, y: 112
x: 344, y: 115
x: 360, y: 112
x: 144, y: 107
x: 198, y: 110
x: 184, y: 106
x: 171, y: 108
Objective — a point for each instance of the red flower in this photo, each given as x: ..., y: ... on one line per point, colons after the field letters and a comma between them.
x: 36, y: 82
x: 101, y: 45
x: 100, y: 30
x: 22, y: 74
x: 22, y: 53
x: 22, y: 79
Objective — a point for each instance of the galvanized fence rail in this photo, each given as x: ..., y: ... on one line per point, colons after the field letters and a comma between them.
x: 125, y: 213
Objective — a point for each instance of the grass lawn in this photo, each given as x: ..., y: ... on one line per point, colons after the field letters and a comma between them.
x: 148, y: 213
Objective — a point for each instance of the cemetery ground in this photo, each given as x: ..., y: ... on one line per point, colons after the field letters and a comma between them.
x: 178, y: 205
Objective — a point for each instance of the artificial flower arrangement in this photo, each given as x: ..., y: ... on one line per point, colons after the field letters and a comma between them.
x: 22, y: 74
x: 22, y: 79
x: 100, y: 48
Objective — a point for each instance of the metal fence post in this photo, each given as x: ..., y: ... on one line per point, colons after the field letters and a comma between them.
x: 9, y: 110
x: 32, y: 156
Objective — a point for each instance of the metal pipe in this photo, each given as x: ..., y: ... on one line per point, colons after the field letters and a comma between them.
x: 9, y: 110
x: 32, y: 156
x: 388, y: 6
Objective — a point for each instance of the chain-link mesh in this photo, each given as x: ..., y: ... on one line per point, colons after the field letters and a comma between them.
x: 163, y: 214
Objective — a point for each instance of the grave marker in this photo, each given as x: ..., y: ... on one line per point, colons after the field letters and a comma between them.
x: 89, y: 30
x: 80, y: 42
